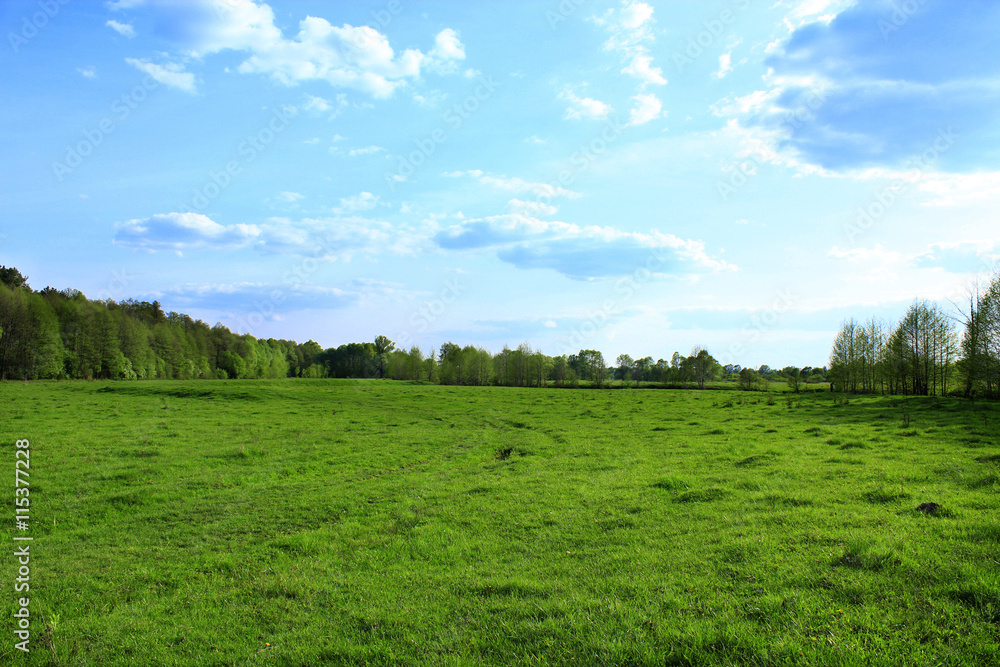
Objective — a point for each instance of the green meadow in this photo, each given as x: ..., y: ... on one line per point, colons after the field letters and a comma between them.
x: 306, y: 522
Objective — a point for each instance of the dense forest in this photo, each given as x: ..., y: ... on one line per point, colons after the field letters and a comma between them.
x: 60, y: 334
x: 923, y: 354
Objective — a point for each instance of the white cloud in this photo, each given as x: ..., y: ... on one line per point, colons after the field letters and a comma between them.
x: 956, y: 189
x: 629, y: 27
x: 316, y: 104
x: 87, y: 72
x: 367, y: 150
x: 532, y: 208
x: 340, y: 238
x: 868, y: 256
x: 290, y: 197
x: 116, y: 5
x: 363, y: 201
x: 642, y: 68
x: 811, y: 11
x: 430, y: 99
x: 330, y: 239
x: 584, y: 107
x: 170, y: 74
x: 579, y: 252
x: 725, y: 65
x: 631, y: 33
x: 647, y: 107
x: 515, y: 185
x: 356, y: 57
x: 182, y: 231
x: 447, y: 52
x: 123, y: 29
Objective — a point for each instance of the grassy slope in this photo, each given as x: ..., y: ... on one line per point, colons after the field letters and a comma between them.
x: 297, y: 522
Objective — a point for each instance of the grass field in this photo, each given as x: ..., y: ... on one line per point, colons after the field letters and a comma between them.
x: 340, y: 522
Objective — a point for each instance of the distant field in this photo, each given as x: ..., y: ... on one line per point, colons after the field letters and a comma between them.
x: 304, y: 522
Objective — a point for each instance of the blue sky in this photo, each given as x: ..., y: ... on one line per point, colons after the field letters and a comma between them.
x: 626, y: 176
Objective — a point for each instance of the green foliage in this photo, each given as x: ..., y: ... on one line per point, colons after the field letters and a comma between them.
x: 61, y: 334
x: 748, y: 379
x: 12, y: 278
x: 916, y: 356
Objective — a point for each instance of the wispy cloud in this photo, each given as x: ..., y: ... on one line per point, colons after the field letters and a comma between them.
x: 631, y: 34
x: 364, y: 201
x: 725, y: 65
x: 123, y: 29
x: 515, y: 184
x: 169, y: 74
x: 647, y: 107
x: 367, y: 150
x: 642, y: 68
x: 581, y: 108
x: 332, y: 239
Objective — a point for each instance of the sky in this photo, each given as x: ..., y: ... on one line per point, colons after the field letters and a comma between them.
x: 631, y: 177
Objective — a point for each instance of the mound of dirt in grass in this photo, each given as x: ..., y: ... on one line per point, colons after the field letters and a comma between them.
x: 929, y: 508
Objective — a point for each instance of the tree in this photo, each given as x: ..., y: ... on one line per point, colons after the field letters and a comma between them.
x: 450, y: 364
x: 642, y: 369
x: 383, y: 346
x: 592, y: 363
x: 980, y: 345
x: 923, y: 348
x: 793, y: 378
x: 414, y: 363
x: 704, y: 367
x: 747, y: 379
x: 560, y: 370
x: 625, y: 366
x: 843, y: 358
x: 12, y: 278
x: 676, y: 372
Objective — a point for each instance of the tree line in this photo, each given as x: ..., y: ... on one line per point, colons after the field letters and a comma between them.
x: 923, y: 354
x: 61, y: 334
